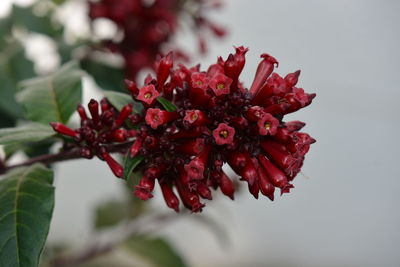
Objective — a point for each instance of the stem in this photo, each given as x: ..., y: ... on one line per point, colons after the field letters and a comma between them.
x: 106, y: 241
x: 61, y: 156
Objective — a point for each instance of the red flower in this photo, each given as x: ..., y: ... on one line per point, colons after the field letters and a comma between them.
x: 267, y: 124
x: 148, y: 94
x: 156, y: 117
x: 220, y: 84
x: 148, y: 28
x: 224, y: 134
x: 199, y: 80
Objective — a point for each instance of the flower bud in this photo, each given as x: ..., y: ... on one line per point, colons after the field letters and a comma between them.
x: 115, y: 167
x: 264, y: 69
x: 169, y: 196
x: 64, y: 130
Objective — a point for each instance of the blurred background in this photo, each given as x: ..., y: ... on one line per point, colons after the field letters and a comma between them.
x: 343, y: 210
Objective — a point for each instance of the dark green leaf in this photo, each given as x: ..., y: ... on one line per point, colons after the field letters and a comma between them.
x: 14, y: 67
x: 27, y: 201
x: 130, y: 164
x: 32, y: 132
x: 6, y: 120
x: 52, y: 98
x: 158, y: 252
x: 107, y: 77
x: 119, y: 100
x: 167, y: 104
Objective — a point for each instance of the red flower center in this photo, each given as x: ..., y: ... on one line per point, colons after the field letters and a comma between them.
x: 224, y: 134
x: 148, y: 95
x: 195, y: 116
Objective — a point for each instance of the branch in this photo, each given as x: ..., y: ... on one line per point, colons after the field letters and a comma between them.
x: 61, y: 156
x: 107, y: 241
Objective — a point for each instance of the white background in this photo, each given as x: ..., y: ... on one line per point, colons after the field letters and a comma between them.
x: 346, y: 212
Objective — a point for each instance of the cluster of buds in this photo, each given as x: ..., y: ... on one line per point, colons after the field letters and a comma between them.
x: 104, y: 127
x: 195, y: 121
x: 147, y: 27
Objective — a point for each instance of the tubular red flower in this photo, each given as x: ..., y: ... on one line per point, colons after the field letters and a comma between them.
x: 82, y: 112
x: 203, y: 191
x: 94, y: 110
x: 123, y: 115
x: 132, y: 88
x: 119, y: 135
x: 195, y: 118
x: 278, y: 154
x: 240, y: 58
x: 277, y: 177
x: 64, y: 130
x: 169, y: 196
x: 199, y: 80
x: 254, y: 189
x: 293, y: 126
x: 255, y: 113
x: 195, y: 168
x: 237, y: 161
x: 226, y: 184
x: 145, y: 187
x: 191, y: 147
x: 156, y: 117
x: 220, y: 84
x: 148, y: 94
x: 264, y: 69
x: 134, y: 150
x: 249, y: 172
x: 267, y: 124
x: 266, y: 187
x: 239, y: 122
x: 115, y: 167
x: 224, y: 134
x: 164, y: 69
x: 190, y: 200
x: 292, y: 78
x: 105, y: 105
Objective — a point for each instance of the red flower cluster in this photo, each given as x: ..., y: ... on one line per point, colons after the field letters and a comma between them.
x: 147, y: 26
x: 195, y: 121
x: 103, y: 128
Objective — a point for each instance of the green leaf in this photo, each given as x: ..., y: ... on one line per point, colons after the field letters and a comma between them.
x: 167, y: 104
x: 26, y: 18
x: 130, y: 164
x: 58, y: 2
x: 110, y: 213
x: 119, y: 100
x: 52, y: 98
x: 107, y: 77
x: 156, y: 251
x: 5, y: 29
x: 32, y: 132
x: 27, y: 202
x: 14, y: 67
x: 133, y: 179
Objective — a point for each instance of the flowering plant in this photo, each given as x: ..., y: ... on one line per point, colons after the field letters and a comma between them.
x: 193, y: 122
x: 188, y: 131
